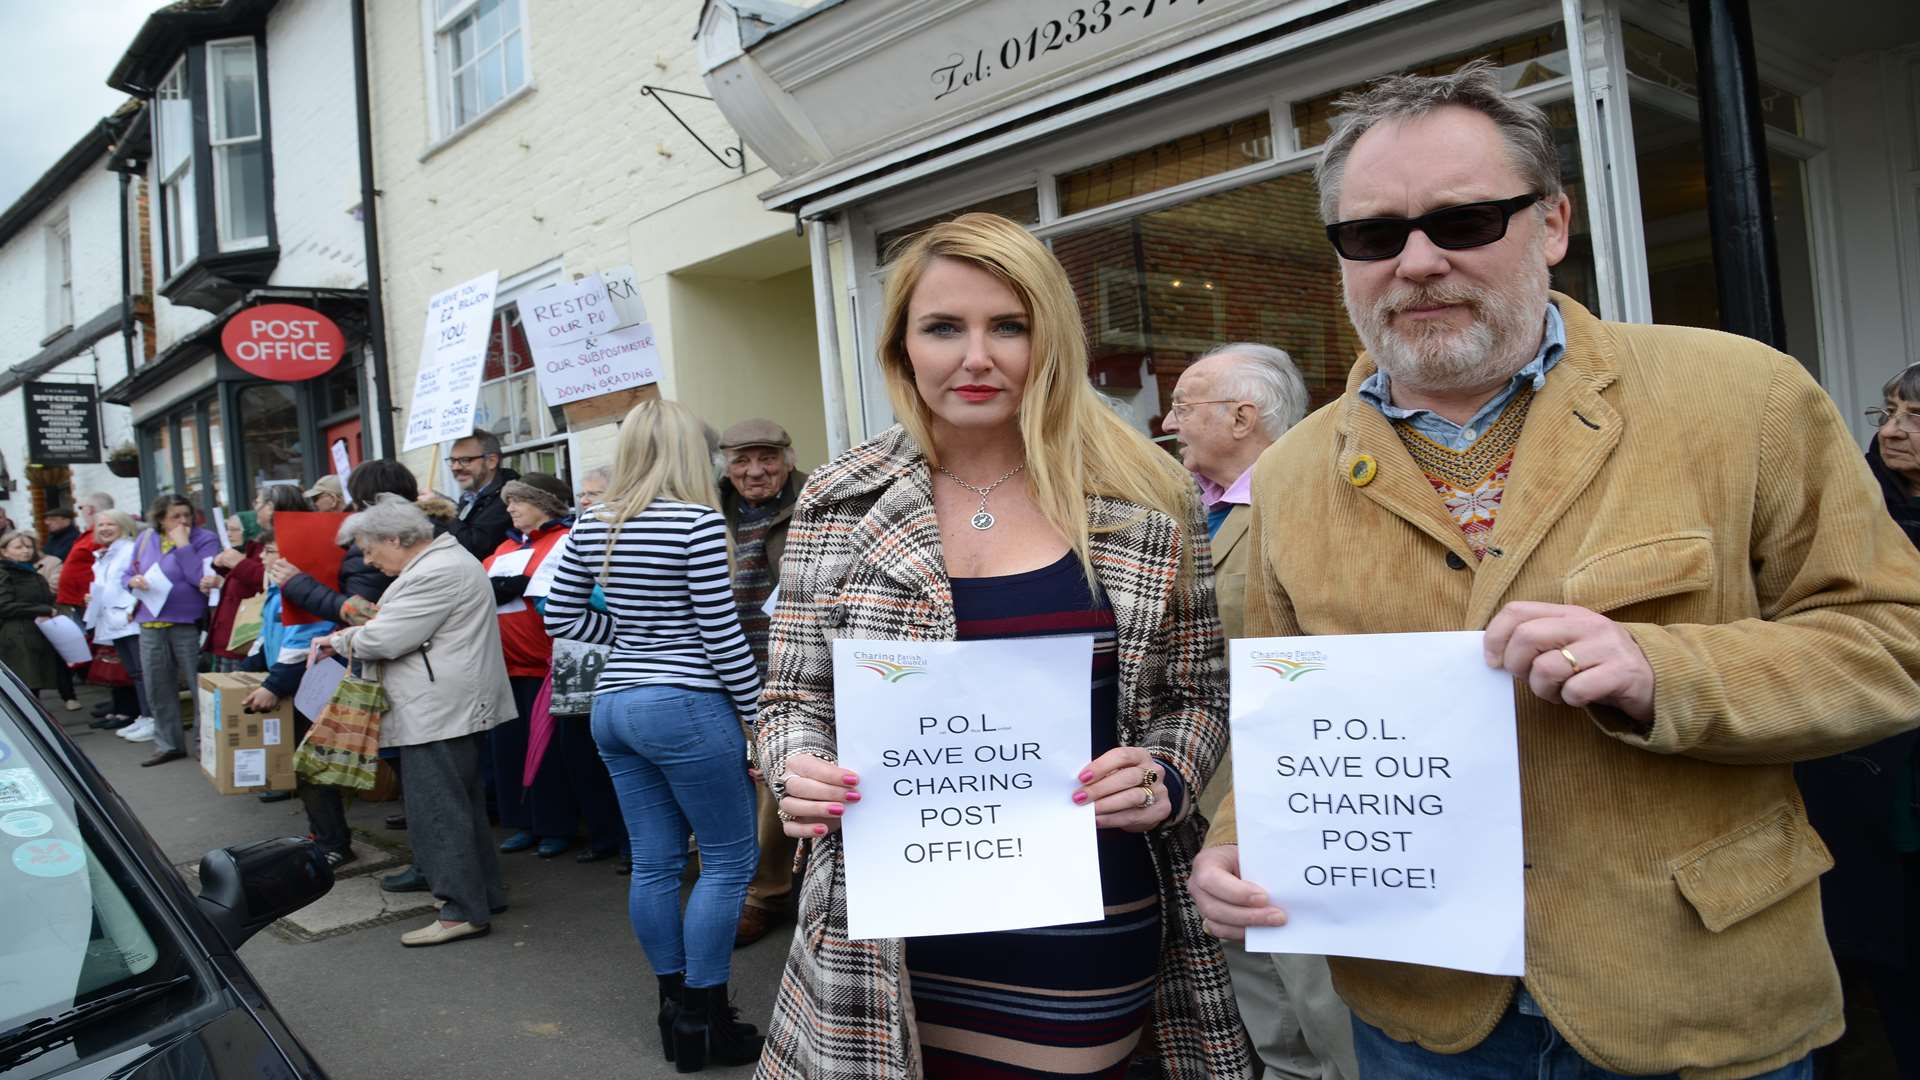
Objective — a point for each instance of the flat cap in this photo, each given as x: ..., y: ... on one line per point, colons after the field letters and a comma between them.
x: 755, y: 432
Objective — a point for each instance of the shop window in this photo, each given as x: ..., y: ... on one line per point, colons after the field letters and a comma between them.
x: 173, y: 165
x: 1250, y: 264
x: 215, y: 468
x: 1671, y: 65
x: 1190, y: 157
x: 59, y: 275
x: 159, y: 464
x: 1524, y: 61
x: 1021, y: 207
x: 239, y: 151
x: 1673, y: 217
x: 481, y: 50
x: 510, y: 404
x: 271, y: 448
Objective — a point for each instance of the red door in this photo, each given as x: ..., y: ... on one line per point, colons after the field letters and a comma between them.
x: 343, y: 435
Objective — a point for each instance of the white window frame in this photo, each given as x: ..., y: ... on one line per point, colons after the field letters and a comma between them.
x: 221, y: 147
x: 442, y: 101
x: 59, y: 275
x: 179, y: 217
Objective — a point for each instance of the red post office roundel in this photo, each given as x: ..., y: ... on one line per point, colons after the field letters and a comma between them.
x: 284, y: 342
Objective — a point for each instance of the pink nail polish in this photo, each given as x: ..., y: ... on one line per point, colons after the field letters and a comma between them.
x: 819, y: 830
x: 849, y: 780
x: 1086, y: 776
x: 853, y: 796
x: 1079, y: 797
x: 836, y: 810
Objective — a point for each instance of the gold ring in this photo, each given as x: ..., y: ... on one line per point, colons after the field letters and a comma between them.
x: 1151, y: 778
x: 1572, y: 661
x: 1148, y: 801
x: 783, y: 815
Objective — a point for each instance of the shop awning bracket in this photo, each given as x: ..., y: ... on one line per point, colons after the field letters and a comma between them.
x: 732, y: 157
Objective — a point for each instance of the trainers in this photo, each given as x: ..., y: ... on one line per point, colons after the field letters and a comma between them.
x: 73, y: 705
x: 140, y: 730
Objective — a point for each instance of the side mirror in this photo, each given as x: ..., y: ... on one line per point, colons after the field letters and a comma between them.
x: 244, y: 889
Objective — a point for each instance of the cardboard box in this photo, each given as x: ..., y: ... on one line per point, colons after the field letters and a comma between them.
x: 243, y: 752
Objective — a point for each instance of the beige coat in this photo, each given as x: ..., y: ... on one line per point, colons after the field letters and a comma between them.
x: 1702, y: 490
x: 436, y: 648
x: 1231, y: 550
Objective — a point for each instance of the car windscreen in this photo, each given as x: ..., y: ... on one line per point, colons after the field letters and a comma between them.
x: 75, y: 925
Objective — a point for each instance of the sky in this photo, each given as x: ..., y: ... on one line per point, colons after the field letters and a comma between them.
x: 54, y: 87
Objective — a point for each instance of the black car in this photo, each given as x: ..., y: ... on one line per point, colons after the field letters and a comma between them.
x: 108, y: 965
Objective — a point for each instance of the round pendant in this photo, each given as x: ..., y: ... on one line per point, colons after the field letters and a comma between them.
x: 983, y: 521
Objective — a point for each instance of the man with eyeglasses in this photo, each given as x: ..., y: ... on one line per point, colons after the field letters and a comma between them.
x: 481, y: 522
x: 1674, y: 548
x: 1227, y: 408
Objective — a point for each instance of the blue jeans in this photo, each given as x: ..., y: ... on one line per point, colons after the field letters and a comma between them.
x: 1523, y: 1046
x: 679, y: 762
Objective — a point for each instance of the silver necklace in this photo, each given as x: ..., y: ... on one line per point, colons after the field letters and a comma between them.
x: 981, y: 519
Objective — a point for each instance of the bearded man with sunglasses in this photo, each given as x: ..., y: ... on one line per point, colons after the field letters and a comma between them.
x: 1673, y: 547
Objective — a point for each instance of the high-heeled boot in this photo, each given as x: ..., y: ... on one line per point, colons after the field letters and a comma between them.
x: 671, y: 989
x: 709, y: 1028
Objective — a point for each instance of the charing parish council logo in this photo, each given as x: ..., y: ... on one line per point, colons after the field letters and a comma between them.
x: 891, y: 667
x: 1292, y: 664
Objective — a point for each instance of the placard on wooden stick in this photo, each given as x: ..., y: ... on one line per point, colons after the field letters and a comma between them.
x: 607, y: 408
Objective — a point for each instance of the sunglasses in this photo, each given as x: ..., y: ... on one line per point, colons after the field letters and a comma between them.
x: 1469, y: 225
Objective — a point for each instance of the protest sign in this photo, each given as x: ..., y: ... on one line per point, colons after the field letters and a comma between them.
x: 1377, y: 790
x: 306, y: 539
x: 967, y: 821
x: 67, y: 639
x: 453, y: 353
x: 623, y: 289
x: 587, y: 340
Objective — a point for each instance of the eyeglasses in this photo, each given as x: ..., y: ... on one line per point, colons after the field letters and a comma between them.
x: 1908, y: 422
x: 458, y: 461
x: 1179, y: 408
x: 1469, y: 225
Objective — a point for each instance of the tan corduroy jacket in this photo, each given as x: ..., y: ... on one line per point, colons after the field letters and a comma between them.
x: 1702, y: 490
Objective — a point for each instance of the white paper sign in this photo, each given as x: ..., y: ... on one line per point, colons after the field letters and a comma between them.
x: 568, y: 312
x: 623, y: 288
x: 317, y: 686
x: 453, y: 352
x: 1376, y: 784
x: 616, y: 360
x: 342, y: 461
x: 541, y: 583
x: 512, y: 564
x: 220, y: 528
x: 67, y: 639
x: 159, y: 585
x: 967, y: 821
x: 518, y: 603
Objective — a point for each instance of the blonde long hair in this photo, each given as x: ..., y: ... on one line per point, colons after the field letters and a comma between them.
x: 661, y: 454
x: 1075, y: 445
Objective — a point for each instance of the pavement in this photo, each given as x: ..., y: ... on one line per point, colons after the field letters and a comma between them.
x: 560, y: 985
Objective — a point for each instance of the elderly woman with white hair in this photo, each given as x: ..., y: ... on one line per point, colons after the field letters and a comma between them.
x: 435, y: 649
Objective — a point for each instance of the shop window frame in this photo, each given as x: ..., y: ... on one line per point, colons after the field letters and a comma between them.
x: 222, y: 147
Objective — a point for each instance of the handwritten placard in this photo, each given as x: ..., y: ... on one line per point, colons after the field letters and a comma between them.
x: 453, y: 353
x: 1377, y: 789
x: 967, y: 753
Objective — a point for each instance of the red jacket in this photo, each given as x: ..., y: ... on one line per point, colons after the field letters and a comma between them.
x: 244, y: 580
x: 523, y: 633
x: 76, y: 572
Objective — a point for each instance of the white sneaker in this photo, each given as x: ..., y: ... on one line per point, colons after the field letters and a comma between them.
x: 140, y: 730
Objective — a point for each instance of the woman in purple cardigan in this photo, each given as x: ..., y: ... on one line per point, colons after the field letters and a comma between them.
x: 170, y: 636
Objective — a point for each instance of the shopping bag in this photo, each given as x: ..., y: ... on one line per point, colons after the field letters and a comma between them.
x: 342, y: 747
x: 106, y: 669
x: 246, y: 623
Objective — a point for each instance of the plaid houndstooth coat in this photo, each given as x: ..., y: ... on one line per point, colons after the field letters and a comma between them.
x: 863, y: 561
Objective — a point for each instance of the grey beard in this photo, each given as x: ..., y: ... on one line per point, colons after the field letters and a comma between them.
x: 1503, y: 337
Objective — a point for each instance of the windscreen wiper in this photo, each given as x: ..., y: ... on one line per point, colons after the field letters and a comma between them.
x: 35, y: 1037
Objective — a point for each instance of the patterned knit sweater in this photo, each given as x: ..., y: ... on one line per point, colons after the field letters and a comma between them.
x: 1471, y: 481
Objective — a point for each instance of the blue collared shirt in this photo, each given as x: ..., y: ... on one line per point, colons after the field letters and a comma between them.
x: 1553, y: 345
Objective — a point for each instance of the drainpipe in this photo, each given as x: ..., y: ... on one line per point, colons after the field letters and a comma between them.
x: 370, y: 230
x: 126, y: 272
x: 1739, y: 195
x: 833, y: 390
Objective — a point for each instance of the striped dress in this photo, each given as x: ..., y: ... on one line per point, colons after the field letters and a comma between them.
x: 670, y: 615
x: 1061, y: 1000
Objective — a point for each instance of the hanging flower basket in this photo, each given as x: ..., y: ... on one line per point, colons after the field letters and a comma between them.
x: 124, y: 461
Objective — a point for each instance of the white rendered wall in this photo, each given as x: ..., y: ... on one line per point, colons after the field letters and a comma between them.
x: 316, y: 155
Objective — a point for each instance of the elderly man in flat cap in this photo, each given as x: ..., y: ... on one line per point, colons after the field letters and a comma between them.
x: 757, y: 495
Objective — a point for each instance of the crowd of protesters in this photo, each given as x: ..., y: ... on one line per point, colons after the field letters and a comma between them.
x: 1496, y: 442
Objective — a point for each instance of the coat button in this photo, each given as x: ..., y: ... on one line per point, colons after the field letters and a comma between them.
x: 1455, y: 562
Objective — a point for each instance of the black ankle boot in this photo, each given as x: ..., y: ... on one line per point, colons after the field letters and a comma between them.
x: 671, y: 988
x: 709, y: 1027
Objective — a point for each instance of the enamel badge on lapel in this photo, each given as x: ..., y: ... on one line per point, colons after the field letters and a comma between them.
x: 1362, y: 471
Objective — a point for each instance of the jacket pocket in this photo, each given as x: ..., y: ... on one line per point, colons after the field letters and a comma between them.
x: 1753, y: 867
x: 1671, y: 564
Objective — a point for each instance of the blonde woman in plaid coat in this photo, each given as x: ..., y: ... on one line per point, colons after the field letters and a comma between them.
x: 1007, y: 479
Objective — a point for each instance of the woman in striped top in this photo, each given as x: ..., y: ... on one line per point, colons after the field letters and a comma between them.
x: 667, y: 714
